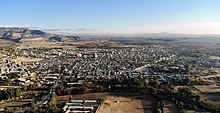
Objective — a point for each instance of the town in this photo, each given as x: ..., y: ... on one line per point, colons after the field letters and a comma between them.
x: 33, y: 77
x: 110, y: 56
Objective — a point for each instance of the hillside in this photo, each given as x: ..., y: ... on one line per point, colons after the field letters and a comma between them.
x: 20, y: 35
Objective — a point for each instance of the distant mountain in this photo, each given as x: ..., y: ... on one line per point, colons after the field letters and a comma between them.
x: 140, y: 37
x: 23, y: 35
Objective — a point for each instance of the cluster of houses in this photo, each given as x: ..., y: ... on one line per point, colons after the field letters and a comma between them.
x: 95, y: 63
x: 18, y: 72
x: 164, y: 61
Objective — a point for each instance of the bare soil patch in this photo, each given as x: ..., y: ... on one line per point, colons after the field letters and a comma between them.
x: 15, y: 104
x: 27, y: 59
x: 119, y: 102
x: 215, y: 57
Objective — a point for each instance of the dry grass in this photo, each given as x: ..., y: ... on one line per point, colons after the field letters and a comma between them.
x: 215, y: 57
x: 4, y: 43
x: 2, y: 55
x: 15, y: 104
x: 217, y: 70
x: 96, y: 43
x: 70, y: 44
x: 192, y: 111
x: 26, y: 59
x: 117, y: 104
x: 43, y: 45
x: 208, y: 88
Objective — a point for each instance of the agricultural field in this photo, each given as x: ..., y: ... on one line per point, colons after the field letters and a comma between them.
x: 210, y: 92
x: 15, y: 105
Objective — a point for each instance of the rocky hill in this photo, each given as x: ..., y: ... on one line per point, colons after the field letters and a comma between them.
x: 20, y: 35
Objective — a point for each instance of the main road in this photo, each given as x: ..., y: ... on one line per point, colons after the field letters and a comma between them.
x: 58, y: 82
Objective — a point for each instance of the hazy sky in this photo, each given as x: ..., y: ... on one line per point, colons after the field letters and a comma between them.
x: 113, y: 16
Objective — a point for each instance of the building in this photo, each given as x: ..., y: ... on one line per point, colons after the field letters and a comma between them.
x: 81, y: 106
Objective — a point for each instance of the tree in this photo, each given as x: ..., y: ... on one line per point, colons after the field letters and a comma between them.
x: 153, y: 83
x: 25, y: 88
x: 197, y: 97
x: 59, y: 90
x: 100, y: 101
x: 5, y: 94
x: 159, y: 111
x: 52, y: 104
x: 152, y: 90
x: 33, y: 105
x: 186, y: 81
x: 6, y: 110
x: 185, y: 91
x: 18, y: 92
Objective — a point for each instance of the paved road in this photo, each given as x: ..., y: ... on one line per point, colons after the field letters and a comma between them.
x: 49, y: 95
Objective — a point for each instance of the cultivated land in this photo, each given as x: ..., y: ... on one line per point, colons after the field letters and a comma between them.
x: 123, y: 102
x: 210, y: 92
x: 15, y: 104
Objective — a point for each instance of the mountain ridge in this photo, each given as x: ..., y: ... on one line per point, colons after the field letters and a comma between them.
x: 18, y: 35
